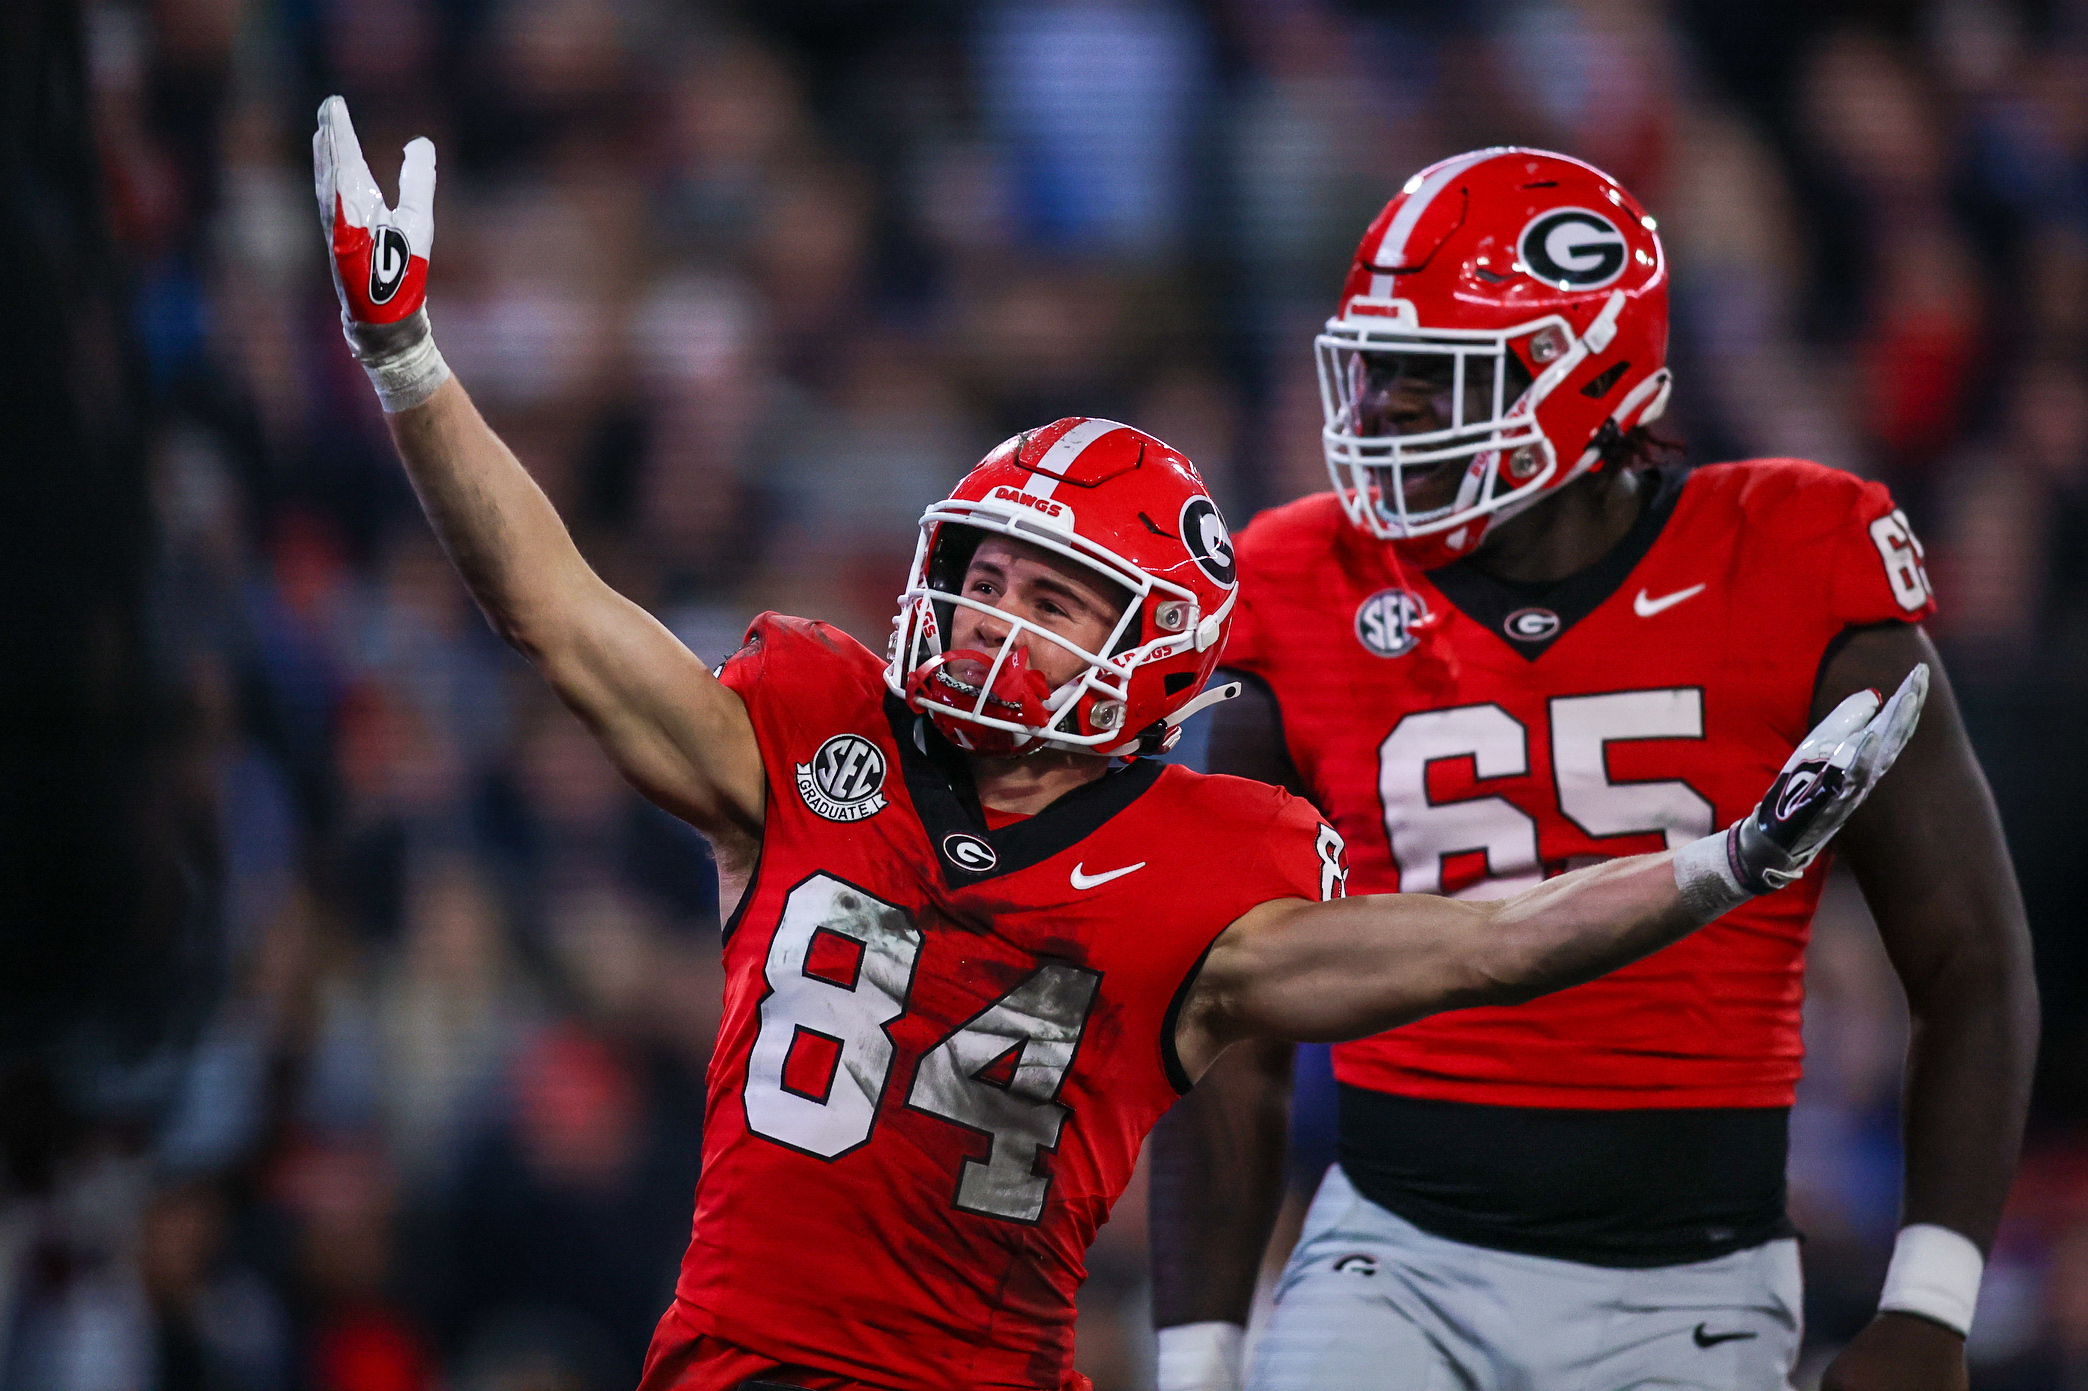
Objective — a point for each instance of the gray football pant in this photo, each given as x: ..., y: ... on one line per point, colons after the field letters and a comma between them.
x: 1370, y: 1300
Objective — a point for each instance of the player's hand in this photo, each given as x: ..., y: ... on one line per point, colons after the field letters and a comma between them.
x: 379, y: 257
x: 1826, y: 779
x: 1898, y: 1352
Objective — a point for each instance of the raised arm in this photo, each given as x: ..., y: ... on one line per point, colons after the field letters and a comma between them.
x: 1929, y: 855
x: 678, y: 734
x: 1353, y: 967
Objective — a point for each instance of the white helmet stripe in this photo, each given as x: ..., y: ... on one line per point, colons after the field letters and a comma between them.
x: 1061, y: 456
x: 1392, y: 246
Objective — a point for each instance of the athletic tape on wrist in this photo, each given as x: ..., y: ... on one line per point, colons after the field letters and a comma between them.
x: 1704, y: 877
x: 402, y: 360
x: 1200, y: 1357
x: 1934, y: 1273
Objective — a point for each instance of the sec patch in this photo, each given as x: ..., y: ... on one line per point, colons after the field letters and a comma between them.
x: 845, y: 779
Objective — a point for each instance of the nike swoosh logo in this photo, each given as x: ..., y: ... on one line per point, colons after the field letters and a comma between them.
x: 1090, y: 881
x: 1712, y: 1340
x: 1646, y: 608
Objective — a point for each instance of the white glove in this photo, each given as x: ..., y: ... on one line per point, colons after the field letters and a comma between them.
x: 379, y: 258
x: 1826, y: 779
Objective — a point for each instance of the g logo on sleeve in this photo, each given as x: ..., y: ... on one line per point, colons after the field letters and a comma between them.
x: 1573, y: 248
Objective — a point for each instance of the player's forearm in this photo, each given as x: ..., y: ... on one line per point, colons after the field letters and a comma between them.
x: 1324, y: 972
x: 499, y: 529
x: 1582, y: 925
x: 1957, y: 932
x: 1969, y: 1064
x: 1217, y: 1181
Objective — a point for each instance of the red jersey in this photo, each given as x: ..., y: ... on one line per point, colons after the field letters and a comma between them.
x: 1638, y: 705
x: 943, y: 1042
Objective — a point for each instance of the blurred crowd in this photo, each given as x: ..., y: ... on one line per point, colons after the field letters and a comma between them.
x: 745, y: 286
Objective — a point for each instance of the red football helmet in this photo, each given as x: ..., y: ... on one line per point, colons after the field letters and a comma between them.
x: 1527, y: 292
x: 1123, y: 506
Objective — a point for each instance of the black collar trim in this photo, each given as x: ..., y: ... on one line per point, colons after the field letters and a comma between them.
x: 944, y: 797
x: 1546, y: 610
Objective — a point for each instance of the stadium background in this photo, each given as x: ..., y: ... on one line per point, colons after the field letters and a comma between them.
x: 355, y: 1013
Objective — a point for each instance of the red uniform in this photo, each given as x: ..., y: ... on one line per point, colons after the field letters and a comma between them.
x: 942, y: 1043
x: 1637, y: 706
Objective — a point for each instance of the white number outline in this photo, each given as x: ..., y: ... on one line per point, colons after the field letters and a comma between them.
x: 982, y: 1171
x: 1053, y: 1114
x: 1494, y: 883
x: 1331, y: 849
x: 748, y: 1104
x: 1507, y: 876
x: 1674, y: 835
x: 1904, y: 556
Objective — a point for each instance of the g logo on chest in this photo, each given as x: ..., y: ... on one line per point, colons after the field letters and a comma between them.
x: 969, y: 853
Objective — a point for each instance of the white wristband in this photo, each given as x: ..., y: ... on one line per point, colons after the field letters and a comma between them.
x: 1704, y: 877
x: 1934, y: 1273
x: 401, y: 359
x: 1200, y: 1357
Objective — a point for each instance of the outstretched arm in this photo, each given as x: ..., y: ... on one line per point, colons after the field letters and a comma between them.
x: 1323, y: 972
x: 678, y: 734
x: 1352, y: 967
x: 1929, y: 855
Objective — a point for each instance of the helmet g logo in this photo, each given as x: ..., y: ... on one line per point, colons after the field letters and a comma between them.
x: 1210, y: 546
x: 389, y: 257
x: 1385, y: 622
x: 1572, y: 248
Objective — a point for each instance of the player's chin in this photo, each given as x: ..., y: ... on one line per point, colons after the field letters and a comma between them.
x: 1429, y: 487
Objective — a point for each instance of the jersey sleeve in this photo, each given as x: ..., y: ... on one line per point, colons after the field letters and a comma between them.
x: 1877, y: 571
x: 793, y: 670
x: 783, y: 658
x: 1304, y: 856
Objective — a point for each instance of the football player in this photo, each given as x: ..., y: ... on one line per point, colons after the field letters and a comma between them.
x: 972, y: 958
x: 1509, y: 643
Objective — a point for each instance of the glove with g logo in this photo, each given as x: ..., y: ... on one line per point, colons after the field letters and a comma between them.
x: 1826, y: 779
x: 379, y: 257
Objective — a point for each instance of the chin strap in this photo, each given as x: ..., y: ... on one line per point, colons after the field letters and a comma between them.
x: 1217, y: 695
x: 1160, y: 735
